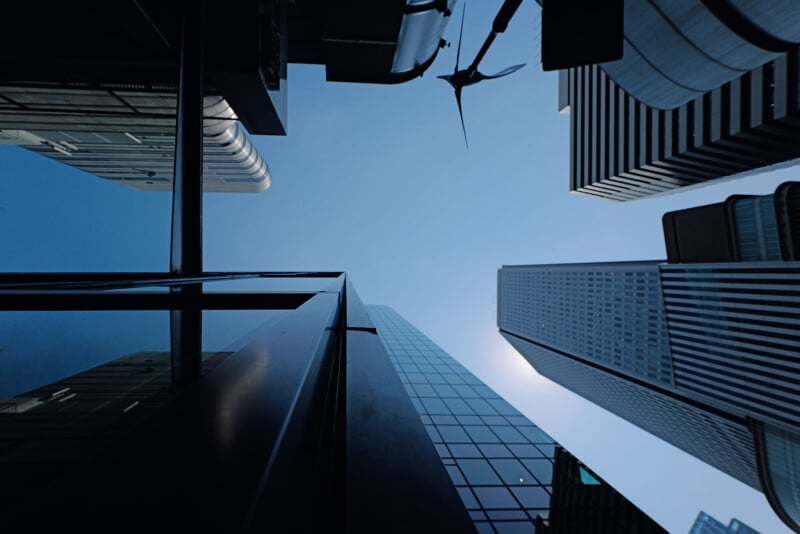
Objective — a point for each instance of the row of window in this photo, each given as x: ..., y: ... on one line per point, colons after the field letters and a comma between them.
x: 497, y: 459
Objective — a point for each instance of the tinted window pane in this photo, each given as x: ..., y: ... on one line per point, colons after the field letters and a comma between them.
x: 507, y: 514
x: 481, y: 407
x: 481, y: 434
x: 424, y: 390
x: 436, y: 378
x: 535, y: 434
x: 468, y: 498
x: 466, y: 392
x: 478, y: 472
x: 469, y: 420
x: 416, y: 378
x: 443, y: 390
x: 434, y: 406
x: 514, y: 527
x: 548, y: 449
x: 453, y: 434
x: 503, y: 407
x: 458, y: 406
x: 525, y: 451
x: 435, y: 437
x: 455, y: 475
x: 464, y: 451
x: 495, y: 498
x: 532, y: 496
x: 494, y: 420
x: 444, y: 420
x: 494, y: 450
x: 508, y: 434
x: 542, y: 469
x: 452, y: 379
x: 512, y: 472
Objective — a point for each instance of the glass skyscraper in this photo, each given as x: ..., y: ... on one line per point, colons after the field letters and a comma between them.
x: 306, y: 412
x: 705, y: 524
x: 700, y: 350
x: 511, y: 476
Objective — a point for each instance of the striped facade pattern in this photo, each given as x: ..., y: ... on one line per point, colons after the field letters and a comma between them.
x: 622, y: 149
x: 608, y: 313
x: 720, y: 442
x: 735, y: 336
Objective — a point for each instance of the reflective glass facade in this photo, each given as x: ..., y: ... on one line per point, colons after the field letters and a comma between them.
x: 266, y: 400
x: 512, y: 476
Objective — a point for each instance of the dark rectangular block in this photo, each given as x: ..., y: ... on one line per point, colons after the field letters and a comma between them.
x: 699, y: 235
x: 581, y: 32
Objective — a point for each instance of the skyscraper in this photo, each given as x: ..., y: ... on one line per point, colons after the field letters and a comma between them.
x: 600, y: 331
x: 305, y: 412
x: 623, y: 149
x: 289, y: 417
x: 700, y: 350
x: 705, y: 524
x: 698, y: 91
x: 510, y: 474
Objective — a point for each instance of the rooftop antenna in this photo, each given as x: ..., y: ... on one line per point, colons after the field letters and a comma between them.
x: 470, y: 76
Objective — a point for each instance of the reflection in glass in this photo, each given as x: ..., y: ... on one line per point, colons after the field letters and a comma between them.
x: 41, y: 347
x: 509, y: 480
x: 230, y: 330
x: 275, y: 284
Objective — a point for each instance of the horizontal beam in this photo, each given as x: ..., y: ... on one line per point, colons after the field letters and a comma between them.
x: 148, y: 300
x: 50, y: 281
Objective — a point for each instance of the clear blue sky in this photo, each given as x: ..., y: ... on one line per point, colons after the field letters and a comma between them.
x: 375, y: 180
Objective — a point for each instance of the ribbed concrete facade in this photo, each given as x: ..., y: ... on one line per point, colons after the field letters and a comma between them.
x: 622, y: 149
x: 676, y: 50
x: 607, y: 313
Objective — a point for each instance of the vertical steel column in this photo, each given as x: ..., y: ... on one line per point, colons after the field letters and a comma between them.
x: 186, y: 250
x: 185, y: 330
x: 187, y: 186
